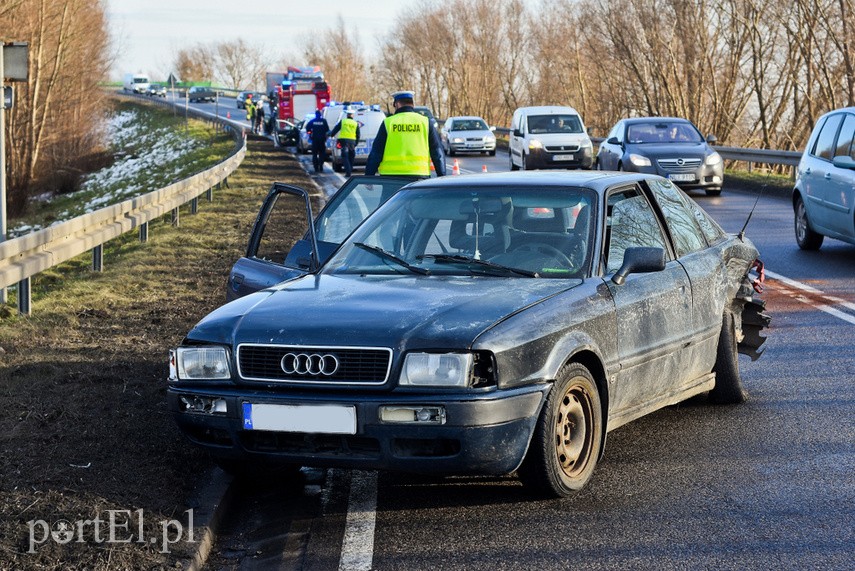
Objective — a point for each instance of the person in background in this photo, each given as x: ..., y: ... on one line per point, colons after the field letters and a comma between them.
x: 406, y: 143
x: 259, y: 117
x: 318, y: 130
x: 249, y: 107
x: 348, y: 133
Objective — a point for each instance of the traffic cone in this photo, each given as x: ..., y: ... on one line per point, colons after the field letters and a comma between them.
x: 456, y: 168
x: 483, y: 168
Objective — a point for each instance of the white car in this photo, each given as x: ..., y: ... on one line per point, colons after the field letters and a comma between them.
x: 467, y: 135
x: 549, y: 137
x: 369, y: 117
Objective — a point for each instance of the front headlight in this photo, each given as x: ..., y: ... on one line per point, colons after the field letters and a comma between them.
x: 587, y: 144
x: 202, y: 363
x: 489, y: 139
x: 535, y: 144
x: 713, y: 159
x: 639, y: 160
x: 436, y: 370
x: 457, y: 140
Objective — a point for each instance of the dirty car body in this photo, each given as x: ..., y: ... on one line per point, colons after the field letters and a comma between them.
x: 479, y: 325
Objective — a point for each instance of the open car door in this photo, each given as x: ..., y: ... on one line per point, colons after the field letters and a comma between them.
x: 281, y: 244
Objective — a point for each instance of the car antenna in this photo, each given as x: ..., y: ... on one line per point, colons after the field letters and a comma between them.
x: 741, y: 234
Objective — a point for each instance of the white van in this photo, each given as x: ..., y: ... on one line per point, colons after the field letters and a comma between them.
x: 549, y: 137
x: 136, y: 83
x: 369, y: 118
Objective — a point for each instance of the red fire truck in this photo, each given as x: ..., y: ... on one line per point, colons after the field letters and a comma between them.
x: 298, y: 92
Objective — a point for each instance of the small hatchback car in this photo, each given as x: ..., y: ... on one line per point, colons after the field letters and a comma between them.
x: 479, y: 324
x: 824, y: 194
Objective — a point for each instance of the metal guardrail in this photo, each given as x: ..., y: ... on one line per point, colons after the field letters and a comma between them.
x: 739, y: 154
x: 25, y: 256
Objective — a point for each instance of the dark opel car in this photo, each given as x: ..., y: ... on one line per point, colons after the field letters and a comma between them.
x: 668, y: 146
x: 478, y: 325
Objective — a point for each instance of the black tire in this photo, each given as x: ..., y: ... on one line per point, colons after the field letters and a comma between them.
x: 523, y: 166
x: 450, y: 152
x: 713, y: 192
x: 728, y: 382
x: 492, y: 153
x: 597, y: 165
x: 338, y: 167
x: 513, y: 166
x: 568, y: 436
x: 806, y: 238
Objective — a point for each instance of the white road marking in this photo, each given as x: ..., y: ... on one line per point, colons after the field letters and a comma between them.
x: 829, y: 309
x: 357, y: 547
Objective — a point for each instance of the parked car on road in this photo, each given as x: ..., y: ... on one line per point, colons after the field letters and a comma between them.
x: 157, y: 90
x: 369, y: 118
x: 479, y: 324
x: 824, y: 192
x: 667, y: 146
x: 467, y: 135
x: 549, y: 137
x: 199, y: 93
x: 423, y: 110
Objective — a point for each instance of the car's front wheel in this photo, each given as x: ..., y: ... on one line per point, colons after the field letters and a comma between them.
x: 713, y: 191
x: 806, y: 238
x: 511, y: 164
x: 568, y: 436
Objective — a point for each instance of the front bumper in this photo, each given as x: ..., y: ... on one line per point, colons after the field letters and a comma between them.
x: 486, y: 433
x: 473, y: 146
x: 703, y: 177
x: 583, y: 158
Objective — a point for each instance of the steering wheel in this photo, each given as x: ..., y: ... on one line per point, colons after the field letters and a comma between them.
x: 544, y: 249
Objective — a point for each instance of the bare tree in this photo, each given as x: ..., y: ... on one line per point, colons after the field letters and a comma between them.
x: 338, y: 52
x: 196, y: 63
x: 55, y: 121
x: 239, y: 64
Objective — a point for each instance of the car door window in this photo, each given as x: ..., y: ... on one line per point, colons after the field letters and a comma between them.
x: 845, y: 148
x: 682, y: 224
x: 338, y: 221
x: 824, y: 147
x: 630, y: 222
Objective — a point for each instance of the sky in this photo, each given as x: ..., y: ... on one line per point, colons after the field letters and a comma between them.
x: 147, y: 33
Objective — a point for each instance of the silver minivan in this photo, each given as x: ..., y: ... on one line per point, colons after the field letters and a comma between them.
x: 824, y: 194
x: 549, y: 137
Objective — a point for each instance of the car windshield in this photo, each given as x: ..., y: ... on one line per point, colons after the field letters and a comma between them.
x: 515, y: 232
x: 469, y: 125
x: 663, y: 132
x: 538, y: 124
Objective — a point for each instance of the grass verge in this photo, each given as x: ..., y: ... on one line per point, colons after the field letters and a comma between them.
x: 84, y: 425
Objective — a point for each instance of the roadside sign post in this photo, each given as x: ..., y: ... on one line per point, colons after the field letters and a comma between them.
x: 13, y: 66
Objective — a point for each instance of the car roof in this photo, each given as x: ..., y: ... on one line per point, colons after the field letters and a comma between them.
x: 598, y: 181
x: 466, y: 117
x: 547, y: 110
x: 633, y: 120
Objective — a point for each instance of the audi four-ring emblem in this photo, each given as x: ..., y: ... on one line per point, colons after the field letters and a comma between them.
x: 309, y: 364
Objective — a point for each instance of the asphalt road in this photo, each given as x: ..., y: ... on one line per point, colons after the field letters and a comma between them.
x: 769, y: 484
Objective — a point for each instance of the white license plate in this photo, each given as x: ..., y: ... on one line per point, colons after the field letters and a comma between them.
x: 473, y: 145
x: 317, y: 419
x: 682, y: 177
x: 563, y: 158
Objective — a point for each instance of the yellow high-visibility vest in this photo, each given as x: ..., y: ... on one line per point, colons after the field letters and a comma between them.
x: 407, y: 149
x: 348, y: 129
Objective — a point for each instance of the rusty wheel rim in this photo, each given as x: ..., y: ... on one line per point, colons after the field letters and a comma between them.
x: 574, y: 431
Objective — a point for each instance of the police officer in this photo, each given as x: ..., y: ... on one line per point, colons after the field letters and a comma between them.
x: 405, y: 143
x: 348, y: 134
x: 318, y: 130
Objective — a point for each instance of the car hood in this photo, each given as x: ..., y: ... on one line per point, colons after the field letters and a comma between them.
x: 477, y: 133
x: 549, y: 139
x: 377, y: 311
x: 672, y: 150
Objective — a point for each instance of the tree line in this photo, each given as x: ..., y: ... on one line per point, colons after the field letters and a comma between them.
x: 754, y: 73
x: 52, y: 133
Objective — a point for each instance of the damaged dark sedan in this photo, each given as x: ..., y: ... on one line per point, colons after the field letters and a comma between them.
x: 483, y: 324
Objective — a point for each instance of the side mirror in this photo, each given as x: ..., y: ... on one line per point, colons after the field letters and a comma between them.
x: 492, y: 127
x: 640, y: 260
x: 517, y: 133
x: 711, y: 139
x: 613, y: 141
x: 843, y: 162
